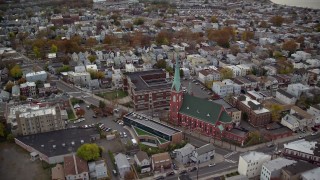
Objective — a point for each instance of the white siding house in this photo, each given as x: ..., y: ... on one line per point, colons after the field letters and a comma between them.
x: 183, y: 154
x: 250, y: 163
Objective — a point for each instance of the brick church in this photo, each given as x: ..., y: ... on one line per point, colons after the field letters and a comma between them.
x: 197, y: 114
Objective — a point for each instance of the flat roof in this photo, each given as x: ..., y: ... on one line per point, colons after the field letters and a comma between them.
x: 253, y: 156
x: 302, y: 146
x: 277, y: 164
x: 61, y: 139
x: 141, y: 83
x: 149, y: 122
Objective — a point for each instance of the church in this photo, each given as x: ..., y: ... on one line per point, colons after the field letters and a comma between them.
x: 197, y: 114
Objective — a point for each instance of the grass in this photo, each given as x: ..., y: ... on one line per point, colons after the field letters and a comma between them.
x: 118, y: 94
x: 141, y: 132
x: 71, y: 115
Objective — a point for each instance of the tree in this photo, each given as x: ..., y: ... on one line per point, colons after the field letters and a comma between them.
x: 226, y: 73
x: 247, y: 35
x: 2, y: 130
x: 92, y: 58
x: 221, y: 36
x: 109, y: 39
x: 16, y: 72
x: 234, y: 49
x: 158, y: 24
x: 64, y: 68
x: 22, y: 80
x: 138, y: 21
x: 10, y: 138
x: 54, y: 48
x: 9, y: 86
x: 80, y: 112
x: 161, y: 64
x: 88, y: 152
x: 277, y: 20
x: 181, y: 73
x: 102, y: 104
x: 91, y: 42
x: 290, y: 46
x: 275, y: 110
x: 129, y: 175
x: 36, y: 52
x: 163, y: 38
x: 214, y: 19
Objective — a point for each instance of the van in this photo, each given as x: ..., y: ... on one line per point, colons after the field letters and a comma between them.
x: 29, y: 99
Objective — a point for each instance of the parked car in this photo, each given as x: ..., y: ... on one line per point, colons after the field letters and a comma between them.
x: 183, y: 172
x: 212, y: 164
x: 313, y: 133
x: 270, y: 145
x: 193, y: 169
x: 170, y: 173
x: 94, y: 116
x: 125, y: 134
x: 159, y: 178
x: 114, y: 172
x: 121, y: 134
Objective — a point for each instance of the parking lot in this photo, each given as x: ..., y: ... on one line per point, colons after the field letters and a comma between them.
x: 196, y: 88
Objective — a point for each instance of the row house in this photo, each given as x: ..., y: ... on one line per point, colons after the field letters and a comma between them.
x: 117, y: 78
x: 81, y: 79
x: 225, y: 88
x: 47, y: 89
x: 303, y: 150
x: 250, y: 163
x: 314, y: 110
x: 285, y: 97
x: 235, y: 70
x: 297, y: 89
x: 298, y: 119
x: 256, y: 113
x: 28, y: 89
x: 283, y: 80
x: 268, y: 83
x: 299, y: 170
x: 208, y: 75
x: 247, y: 83
x: 272, y: 169
x: 37, y: 76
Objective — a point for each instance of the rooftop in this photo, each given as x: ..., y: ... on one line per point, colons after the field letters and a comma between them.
x: 121, y: 160
x: 311, y: 174
x: 252, y: 104
x: 285, y: 93
x: 253, y: 156
x: 149, y: 122
x: 59, y: 142
x: 278, y: 163
x: 302, y: 146
x: 73, y: 165
x: 298, y: 168
x: 149, y: 80
x: 204, y: 110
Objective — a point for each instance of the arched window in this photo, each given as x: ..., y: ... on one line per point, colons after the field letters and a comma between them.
x: 174, y: 99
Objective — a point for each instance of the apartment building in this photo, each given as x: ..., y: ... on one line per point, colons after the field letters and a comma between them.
x: 81, y: 79
x: 250, y: 163
x: 272, y: 169
x: 29, y: 119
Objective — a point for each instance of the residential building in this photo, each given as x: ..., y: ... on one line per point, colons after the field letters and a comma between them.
x: 36, y: 119
x: 98, y: 170
x: 247, y: 83
x: 236, y: 87
x: 142, y: 160
x: 203, y: 154
x: 314, y: 110
x: 28, y: 89
x: 250, y: 163
x: 222, y: 89
x: 285, y: 97
x: 81, y: 79
x: 148, y: 89
x: 303, y: 150
x: 36, y: 76
x: 291, y: 121
x: 234, y: 113
x: 47, y: 89
x: 117, y: 78
x: 15, y: 92
x: 4, y: 96
x: 123, y: 164
x: 294, y: 171
x: 161, y: 162
x: 238, y: 177
x: 305, y: 119
x: 272, y: 169
x: 151, y: 131
x: 208, y: 75
x: 57, y: 172
x: 183, y: 154
x: 235, y: 70
x: 297, y: 89
x: 53, y: 146
x: 75, y: 168
x: 312, y: 174
x: 256, y: 113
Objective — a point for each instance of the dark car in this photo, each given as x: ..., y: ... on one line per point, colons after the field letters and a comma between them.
x: 183, y: 172
x: 170, y: 173
x: 193, y: 169
x: 159, y: 178
x: 94, y: 116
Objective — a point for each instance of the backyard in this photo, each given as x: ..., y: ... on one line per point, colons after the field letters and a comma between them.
x: 15, y: 163
x: 118, y: 94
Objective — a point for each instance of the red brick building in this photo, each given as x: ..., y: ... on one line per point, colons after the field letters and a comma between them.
x: 148, y: 89
x: 256, y: 113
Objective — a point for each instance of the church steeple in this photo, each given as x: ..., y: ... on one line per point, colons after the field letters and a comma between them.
x: 176, y: 85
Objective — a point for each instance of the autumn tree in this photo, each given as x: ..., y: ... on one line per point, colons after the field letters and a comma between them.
x: 89, y: 152
x: 226, y: 73
x: 36, y: 52
x: 129, y: 175
x: 158, y: 24
x: 16, y: 72
x: 163, y: 38
x: 80, y: 112
x: 214, y: 19
x: 275, y: 110
x: 247, y: 35
x: 22, y: 80
x: 102, y: 104
x: 161, y: 64
x: 277, y: 20
x: 290, y: 46
x: 221, y: 36
x: 91, y: 42
x: 285, y: 66
x: 234, y: 49
x: 263, y: 24
x: 92, y: 58
x: 96, y: 74
x: 9, y: 86
x: 138, y: 21
x: 108, y: 39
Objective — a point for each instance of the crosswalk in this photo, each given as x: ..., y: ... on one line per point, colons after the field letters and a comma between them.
x: 230, y: 161
x: 230, y: 154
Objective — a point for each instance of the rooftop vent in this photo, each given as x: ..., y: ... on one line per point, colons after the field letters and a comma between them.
x: 42, y: 145
x: 72, y: 143
x: 53, y: 146
x: 82, y: 141
x: 64, y: 144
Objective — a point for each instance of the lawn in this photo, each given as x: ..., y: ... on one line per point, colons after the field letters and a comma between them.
x: 141, y: 132
x: 118, y: 94
x: 71, y: 115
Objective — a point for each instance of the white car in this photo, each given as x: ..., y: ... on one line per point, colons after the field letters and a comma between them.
x: 212, y: 164
x: 314, y: 133
x: 125, y: 134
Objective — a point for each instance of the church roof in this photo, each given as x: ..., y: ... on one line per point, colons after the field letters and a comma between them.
x: 176, y: 85
x: 203, y: 110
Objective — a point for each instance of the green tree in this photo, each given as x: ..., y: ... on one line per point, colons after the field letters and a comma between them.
x: 102, y: 104
x: 36, y: 52
x: 10, y: 138
x: 138, y: 21
x: 54, y: 48
x: 226, y: 73
x: 92, y: 58
x: 16, y: 72
x: 64, y: 68
x: 2, y: 130
x: 275, y: 110
x: 161, y: 64
x: 88, y: 152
